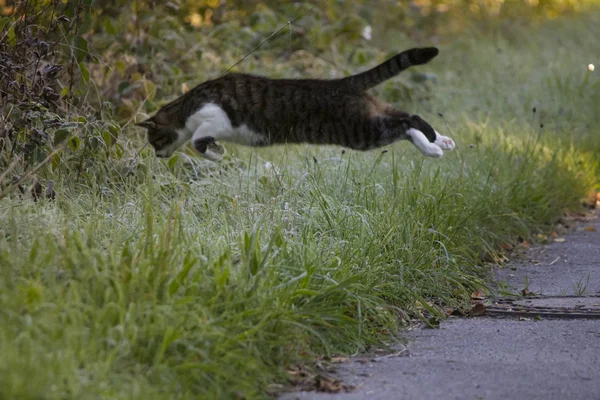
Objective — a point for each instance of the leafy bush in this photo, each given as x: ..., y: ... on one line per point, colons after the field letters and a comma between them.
x: 47, y: 121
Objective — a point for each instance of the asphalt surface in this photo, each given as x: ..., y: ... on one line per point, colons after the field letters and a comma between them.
x: 498, y: 358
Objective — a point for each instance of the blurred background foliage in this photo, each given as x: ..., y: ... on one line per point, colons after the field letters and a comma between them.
x: 75, y: 73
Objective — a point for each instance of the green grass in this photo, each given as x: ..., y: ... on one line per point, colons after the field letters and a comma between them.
x: 195, y: 280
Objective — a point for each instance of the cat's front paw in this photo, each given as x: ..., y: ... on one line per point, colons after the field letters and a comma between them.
x: 208, y: 148
x: 444, y: 142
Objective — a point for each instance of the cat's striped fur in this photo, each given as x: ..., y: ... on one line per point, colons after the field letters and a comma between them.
x: 258, y: 111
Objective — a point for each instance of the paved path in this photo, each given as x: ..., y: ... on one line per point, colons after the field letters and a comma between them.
x: 486, y: 358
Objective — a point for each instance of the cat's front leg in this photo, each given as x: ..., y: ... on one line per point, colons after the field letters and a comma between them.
x: 209, y: 148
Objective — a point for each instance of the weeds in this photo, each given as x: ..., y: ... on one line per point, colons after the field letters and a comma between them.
x: 580, y: 288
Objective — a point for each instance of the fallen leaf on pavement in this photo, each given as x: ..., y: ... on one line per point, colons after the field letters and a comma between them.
x: 589, y: 229
x: 329, y: 385
x: 296, y: 372
x: 527, y: 292
x: 560, y: 240
x: 478, y: 295
x: 477, y: 310
x: 339, y: 359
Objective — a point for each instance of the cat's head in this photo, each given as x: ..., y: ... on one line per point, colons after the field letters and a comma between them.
x: 161, y: 135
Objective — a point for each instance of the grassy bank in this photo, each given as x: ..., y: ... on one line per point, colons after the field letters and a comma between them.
x: 188, y: 279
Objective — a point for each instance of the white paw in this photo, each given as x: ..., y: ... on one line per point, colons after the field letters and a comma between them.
x: 214, y: 152
x: 444, y: 142
x: 433, y: 150
x: 423, y: 144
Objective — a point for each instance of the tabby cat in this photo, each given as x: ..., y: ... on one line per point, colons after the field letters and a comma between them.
x: 258, y: 111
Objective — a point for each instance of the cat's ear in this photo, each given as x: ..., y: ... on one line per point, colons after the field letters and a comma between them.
x: 147, y: 124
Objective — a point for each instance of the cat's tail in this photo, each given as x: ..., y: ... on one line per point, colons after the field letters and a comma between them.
x: 390, y: 68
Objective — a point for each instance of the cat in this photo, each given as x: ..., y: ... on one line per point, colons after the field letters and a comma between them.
x: 258, y: 111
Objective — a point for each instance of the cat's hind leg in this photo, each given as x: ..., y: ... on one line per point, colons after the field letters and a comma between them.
x: 394, y: 129
x: 422, y: 143
x: 398, y: 125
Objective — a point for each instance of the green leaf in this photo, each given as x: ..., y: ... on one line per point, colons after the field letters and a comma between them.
x: 109, y: 27
x: 150, y: 89
x: 84, y: 73
x: 123, y: 86
x: 94, y: 143
x: 11, y: 36
x: 60, y: 135
x: 361, y: 58
x: 106, y: 137
x: 120, y: 67
x: 56, y: 162
x: 110, y: 135
x: 74, y: 143
x: 3, y: 22
x: 86, y: 24
x: 64, y: 92
x: 173, y: 161
x: 81, y: 48
x: 119, y: 151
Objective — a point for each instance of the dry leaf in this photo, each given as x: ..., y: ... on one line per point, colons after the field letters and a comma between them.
x: 478, y: 295
x: 477, y: 310
x: 554, y: 234
x: 560, y: 240
x: 458, y: 313
x: 296, y: 371
x: 527, y: 292
x: 505, y: 246
x: 328, y: 385
x: 36, y: 191
x: 589, y: 229
x: 339, y: 359
x: 184, y: 88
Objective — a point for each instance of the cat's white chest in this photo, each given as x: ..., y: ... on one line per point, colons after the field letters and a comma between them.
x: 212, y: 121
